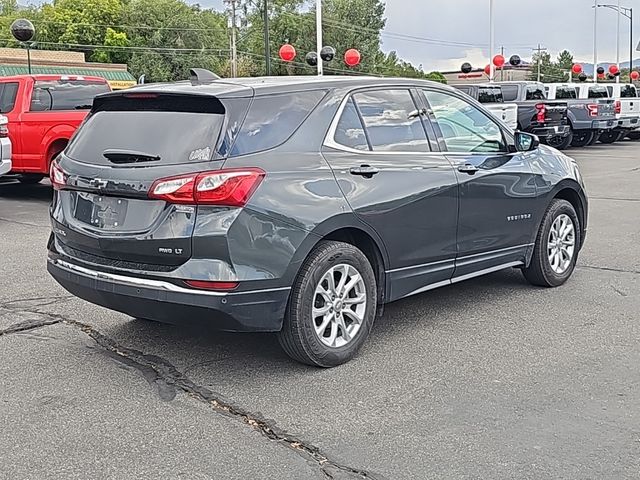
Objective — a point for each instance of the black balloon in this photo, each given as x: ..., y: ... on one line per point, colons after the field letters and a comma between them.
x: 466, y: 67
x: 617, y: 74
x: 312, y: 59
x: 327, y: 53
x: 582, y: 77
x: 600, y: 70
x: 515, y: 60
x: 610, y: 76
x: 22, y: 30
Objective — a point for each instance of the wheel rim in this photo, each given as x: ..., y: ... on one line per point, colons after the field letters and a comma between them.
x: 339, y: 305
x: 561, y: 244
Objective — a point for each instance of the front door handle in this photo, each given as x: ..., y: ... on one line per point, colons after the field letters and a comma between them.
x: 366, y: 171
x: 468, y: 168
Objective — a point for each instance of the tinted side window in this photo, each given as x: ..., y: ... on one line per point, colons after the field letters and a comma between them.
x: 535, y: 92
x: 464, y: 127
x: 392, y: 121
x: 8, y: 94
x: 510, y: 92
x: 65, y: 94
x: 272, y: 119
x: 350, y: 131
x: 627, y: 91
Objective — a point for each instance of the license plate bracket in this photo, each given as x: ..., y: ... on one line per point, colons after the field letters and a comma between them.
x: 101, y: 211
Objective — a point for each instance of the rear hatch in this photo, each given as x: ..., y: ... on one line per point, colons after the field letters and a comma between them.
x: 102, y: 210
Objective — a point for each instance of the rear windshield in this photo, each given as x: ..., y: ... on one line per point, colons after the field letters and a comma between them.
x: 598, y: 92
x: 180, y: 128
x: 65, y: 94
x: 535, y: 92
x: 175, y: 137
x: 627, y: 91
x: 565, y: 93
x: 510, y: 93
x: 490, y: 95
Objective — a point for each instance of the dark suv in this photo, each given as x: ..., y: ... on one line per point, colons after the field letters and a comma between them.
x: 301, y: 205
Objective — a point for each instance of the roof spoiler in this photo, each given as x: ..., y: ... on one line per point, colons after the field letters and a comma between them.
x: 199, y: 76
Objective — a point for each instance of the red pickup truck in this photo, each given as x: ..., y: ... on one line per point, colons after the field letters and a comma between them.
x: 44, y: 111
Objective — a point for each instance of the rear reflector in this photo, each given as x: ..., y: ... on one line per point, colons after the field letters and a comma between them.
x: 207, y: 285
x: 231, y: 187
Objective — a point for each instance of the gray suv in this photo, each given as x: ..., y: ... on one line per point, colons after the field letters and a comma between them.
x: 302, y: 205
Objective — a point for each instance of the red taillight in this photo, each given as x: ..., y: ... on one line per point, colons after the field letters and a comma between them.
x: 57, y: 176
x: 593, y: 110
x: 542, y: 112
x: 231, y: 188
x: 618, y: 106
x: 209, y: 285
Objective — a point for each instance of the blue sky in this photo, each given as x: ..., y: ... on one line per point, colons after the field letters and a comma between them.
x: 521, y: 25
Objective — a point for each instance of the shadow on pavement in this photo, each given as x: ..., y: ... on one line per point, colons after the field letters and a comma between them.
x: 12, y: 189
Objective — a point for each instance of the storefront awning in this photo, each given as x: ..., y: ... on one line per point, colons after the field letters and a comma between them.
x: 118, y: 79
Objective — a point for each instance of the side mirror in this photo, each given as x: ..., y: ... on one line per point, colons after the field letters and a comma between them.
x: 526, y: 142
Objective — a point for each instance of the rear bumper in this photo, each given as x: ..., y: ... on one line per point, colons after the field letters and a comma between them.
x: 603, y: 124
x: 547, y: 132
x: 5, y: 156
x: 628, y: 123
x: 251, y: 311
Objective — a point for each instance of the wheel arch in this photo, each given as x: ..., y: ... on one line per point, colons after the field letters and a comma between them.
x: 570, y: 191
x: 349, y: 229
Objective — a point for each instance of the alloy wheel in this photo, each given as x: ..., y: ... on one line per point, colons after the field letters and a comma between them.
x: 339, y: 305
x: 561, y: 243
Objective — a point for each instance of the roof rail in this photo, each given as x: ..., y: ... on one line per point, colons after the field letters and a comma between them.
x: 198, y: 76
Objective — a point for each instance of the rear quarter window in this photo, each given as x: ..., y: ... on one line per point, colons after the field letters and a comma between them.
x: 272, y: 119
x: 54, y: 95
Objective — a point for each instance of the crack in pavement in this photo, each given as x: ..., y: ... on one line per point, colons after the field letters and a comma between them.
x: 28, y: 224
x: 609, y: 269
x: 156, y: 369
x: 616, y: 199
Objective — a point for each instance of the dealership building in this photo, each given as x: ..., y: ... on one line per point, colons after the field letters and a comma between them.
x: 14, y: 61
x: 508, y: 73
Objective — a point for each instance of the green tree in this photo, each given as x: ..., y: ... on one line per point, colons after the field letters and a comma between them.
x: 565, y: 60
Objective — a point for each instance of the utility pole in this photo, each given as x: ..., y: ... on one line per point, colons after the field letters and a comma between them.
x: 267, y: 49
x: 502, y: 68
x: 232, y: 26
x: 540, y: 49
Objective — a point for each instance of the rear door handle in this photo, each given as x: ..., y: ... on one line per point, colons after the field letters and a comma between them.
x: 366, y: 171
x: 468, y: 168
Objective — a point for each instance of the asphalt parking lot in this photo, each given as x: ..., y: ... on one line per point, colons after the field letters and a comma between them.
x: 487, y: 379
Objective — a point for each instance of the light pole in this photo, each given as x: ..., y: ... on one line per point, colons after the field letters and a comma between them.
x: 319, y: 34
x: 595, y: 41
x: 491, y: 42
x: 625, y: 12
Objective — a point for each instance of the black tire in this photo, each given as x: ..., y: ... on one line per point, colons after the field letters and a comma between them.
x: 561, y: 143
x: 609, y: 137
x: 298, y: 336
x: 595, y: 139
x: 30, y: 178
x: 540, y: 272
x: 635, y: 135
x: 582, y: 138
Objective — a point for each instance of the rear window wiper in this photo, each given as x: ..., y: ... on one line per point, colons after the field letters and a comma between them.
x: 129, y: 156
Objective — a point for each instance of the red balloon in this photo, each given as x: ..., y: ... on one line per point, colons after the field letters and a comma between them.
x: 287, y: 52
x: 635, y: 75
x: 601, y: 75
x: 577, y: 68
x: 613, y: 69
x: 352, y: 57
x: 498, y: 61
x: 487, y: 69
